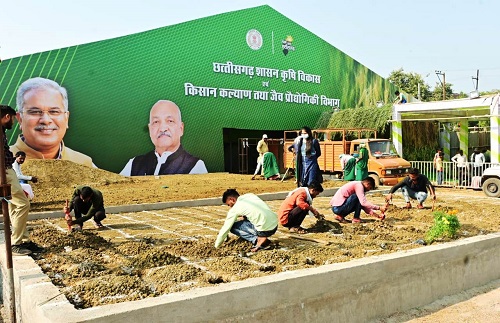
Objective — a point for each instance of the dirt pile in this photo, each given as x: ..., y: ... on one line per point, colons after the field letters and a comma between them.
x: 57, y: 179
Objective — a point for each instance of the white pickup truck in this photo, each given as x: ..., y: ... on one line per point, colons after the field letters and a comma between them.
x: 490, y: 181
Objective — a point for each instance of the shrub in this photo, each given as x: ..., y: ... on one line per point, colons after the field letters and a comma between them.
x: 445, y: 226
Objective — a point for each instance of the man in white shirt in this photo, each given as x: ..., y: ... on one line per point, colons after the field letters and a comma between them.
x: 477, y: 159
x: 23, y: 179
x: 460, y: 161
x: 169, y: 157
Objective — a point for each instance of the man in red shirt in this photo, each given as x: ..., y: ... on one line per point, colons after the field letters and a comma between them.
x: 297, y: 204
x: 351, y: 198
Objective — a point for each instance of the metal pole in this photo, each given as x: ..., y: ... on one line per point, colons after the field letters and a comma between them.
x: 444, y: 86
x: 477, y: 79
x: 5, y: 191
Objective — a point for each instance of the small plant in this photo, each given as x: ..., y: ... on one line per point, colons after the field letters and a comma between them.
x: 445, y: 226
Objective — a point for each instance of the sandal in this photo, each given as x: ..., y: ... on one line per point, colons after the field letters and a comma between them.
x: 341, y: 219
x: 266, y: 245
x: 298, y: 230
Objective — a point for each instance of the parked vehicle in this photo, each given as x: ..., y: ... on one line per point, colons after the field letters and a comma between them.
x: 384, y: 164
x: 490, y: 181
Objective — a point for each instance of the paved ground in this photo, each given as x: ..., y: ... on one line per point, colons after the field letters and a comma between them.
x: 480, y: 304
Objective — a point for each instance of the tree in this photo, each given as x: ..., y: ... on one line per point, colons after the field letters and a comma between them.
x: 409, y: 82
x: 437, y: 94
x: 494, y: 91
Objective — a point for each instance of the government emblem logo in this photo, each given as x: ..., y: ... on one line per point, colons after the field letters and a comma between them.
x: 254, y: 39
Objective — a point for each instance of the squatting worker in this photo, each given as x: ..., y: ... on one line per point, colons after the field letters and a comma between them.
x: 297, y: 205
x: 249, y: 218
x: 19, y: 205
x: 351, y: 198
x: 87, y: 203
x: 169, y: 157
x: 414, y: 186
x: 43, y: 118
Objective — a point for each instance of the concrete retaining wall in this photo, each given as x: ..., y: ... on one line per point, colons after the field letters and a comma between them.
x: 354, y: 291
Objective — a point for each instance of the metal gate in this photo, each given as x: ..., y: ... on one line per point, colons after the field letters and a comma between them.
x: 247, y: 153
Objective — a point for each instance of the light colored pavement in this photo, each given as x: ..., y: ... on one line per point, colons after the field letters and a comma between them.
x: 478, y: 305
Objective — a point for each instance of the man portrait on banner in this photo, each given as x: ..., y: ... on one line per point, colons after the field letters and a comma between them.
x: 169, y: 157
x: 43, y: 115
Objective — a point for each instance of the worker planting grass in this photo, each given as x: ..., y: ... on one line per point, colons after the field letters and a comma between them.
x: 151, y: 253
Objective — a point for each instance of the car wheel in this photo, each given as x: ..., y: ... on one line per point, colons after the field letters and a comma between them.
x: 491, y: 187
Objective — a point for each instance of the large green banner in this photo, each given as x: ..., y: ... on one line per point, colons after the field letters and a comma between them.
x: 175, y: 89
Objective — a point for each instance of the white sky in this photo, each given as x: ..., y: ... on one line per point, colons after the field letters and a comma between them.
x: 456, y: 37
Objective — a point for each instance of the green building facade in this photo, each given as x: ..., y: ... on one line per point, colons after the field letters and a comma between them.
x: 233, y: 75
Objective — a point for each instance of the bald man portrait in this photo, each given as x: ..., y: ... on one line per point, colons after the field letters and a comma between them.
x: 169, y: 157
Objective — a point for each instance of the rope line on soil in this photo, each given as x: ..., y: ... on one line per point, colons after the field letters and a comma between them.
x: 154, y: 226
x: 183, y: 222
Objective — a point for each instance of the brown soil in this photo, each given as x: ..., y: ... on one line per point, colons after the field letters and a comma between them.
x: 146, y: 254
x: 58, y: 178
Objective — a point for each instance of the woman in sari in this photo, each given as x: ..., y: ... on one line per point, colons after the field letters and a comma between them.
x: 307, y: 151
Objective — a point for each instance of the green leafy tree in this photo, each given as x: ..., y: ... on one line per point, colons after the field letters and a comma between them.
x: 409, y: 82
x: 437, y: 94
x: 494, y: 91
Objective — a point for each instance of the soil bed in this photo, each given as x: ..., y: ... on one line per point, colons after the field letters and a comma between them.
x: 146, y: 254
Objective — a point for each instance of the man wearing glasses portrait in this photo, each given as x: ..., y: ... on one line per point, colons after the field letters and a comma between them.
x: 42, y: 113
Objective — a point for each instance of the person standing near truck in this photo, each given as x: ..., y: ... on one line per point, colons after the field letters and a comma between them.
x: 262, y: 148
x: 362, y: 163
x: 348, y: 164
x: 306, y: 150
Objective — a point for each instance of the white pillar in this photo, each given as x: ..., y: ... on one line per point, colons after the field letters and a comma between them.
x: 397, y: 131
x: 463, y: 136
x: 494, y: 131
x: 446, y: 137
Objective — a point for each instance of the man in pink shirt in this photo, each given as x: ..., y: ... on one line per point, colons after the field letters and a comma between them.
x: 297, y: 205
x: 351, y: 198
